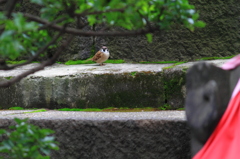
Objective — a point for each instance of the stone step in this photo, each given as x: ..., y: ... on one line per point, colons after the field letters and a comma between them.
x: 93, y: 86
x: 108, y: 135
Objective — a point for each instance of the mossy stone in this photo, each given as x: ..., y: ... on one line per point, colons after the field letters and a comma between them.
x: 174, y: 87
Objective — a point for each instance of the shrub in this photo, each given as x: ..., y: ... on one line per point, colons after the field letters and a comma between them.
x: 27, y: 141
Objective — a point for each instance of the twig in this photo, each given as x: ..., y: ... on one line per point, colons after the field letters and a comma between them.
x: 90, y: 33
x: 53, y: 22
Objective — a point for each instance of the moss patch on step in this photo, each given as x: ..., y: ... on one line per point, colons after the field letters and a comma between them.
x: 109, y: 109
x: 158, y: 62
x: 16, y: 108
x: 36, y: 111
x: 215, y: 58
x: 172, y: 66
x: 121, y: 109
x: 132, y: 90
x: 71, y: 62
x: 174, y: 88
x: 77, y: 62
x: 8, y: 78
x: 115, y: 61
x: 78, y: 109
x: 19, y: 62
x: 16, y: 62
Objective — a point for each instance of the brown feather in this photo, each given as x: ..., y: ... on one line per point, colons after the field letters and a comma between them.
x: 100, y: 57
x: 97, y: 56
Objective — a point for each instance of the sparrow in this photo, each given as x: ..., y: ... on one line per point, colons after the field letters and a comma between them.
x: 101, y: 56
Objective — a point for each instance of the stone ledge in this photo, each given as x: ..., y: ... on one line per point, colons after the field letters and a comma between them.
x: 99, y: 116
x: 97, y: 135
x: 93, y: 86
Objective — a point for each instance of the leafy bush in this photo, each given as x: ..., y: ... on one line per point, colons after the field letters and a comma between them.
x: 27, y: 141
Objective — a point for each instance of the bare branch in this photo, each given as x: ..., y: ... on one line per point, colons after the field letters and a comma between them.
x: 40, y: 67
x: 90, y: 33
x: 9, y: 7
x: 53, y: 22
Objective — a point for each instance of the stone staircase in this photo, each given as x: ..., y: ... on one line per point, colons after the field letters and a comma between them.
x: 102, y: 135
x: 112, y: 135
x: 93, y: 86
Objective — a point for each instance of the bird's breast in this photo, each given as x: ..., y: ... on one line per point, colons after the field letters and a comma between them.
x: 104, y: 57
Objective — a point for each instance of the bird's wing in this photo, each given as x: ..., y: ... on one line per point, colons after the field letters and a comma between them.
x: 97, y: 56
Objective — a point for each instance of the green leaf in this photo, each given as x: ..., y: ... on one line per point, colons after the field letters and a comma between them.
x: 149, y: 37
x: 92, y: 19
x: 200, y: 24
x: 39, y: 2
x: 2, y: 131
x: 28, y: 141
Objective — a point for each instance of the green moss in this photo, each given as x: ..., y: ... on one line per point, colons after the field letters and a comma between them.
x: 8, y: 78
x: 158, y: 62
x: 181, y: 109
x: 125, y: 109
x: 173, y: 84
x: 136, y: 90
x: 178, y: 63
x: 16, y: 62
x: 133, y: 73
x: 114, y: 61
x: 71, y: 62
x: 37, y: 111
x: 215, y: 58
x: 184, y: 69
x: 141, y: 90
x: 16, y: 108
x: 109, y: 109
x: 165, y: 107
x: 19, y: 62
x: 78, y: 109
x: 122, y: 109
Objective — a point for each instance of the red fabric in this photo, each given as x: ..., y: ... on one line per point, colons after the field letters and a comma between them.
x: 224, y: 143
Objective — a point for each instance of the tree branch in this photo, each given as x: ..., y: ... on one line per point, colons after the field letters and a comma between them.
x: 90, y: 33
x: 9, y: 7
x: 53, y: 22
x: 40, y: 67
x: 55, y: 38
x: 99, y: 12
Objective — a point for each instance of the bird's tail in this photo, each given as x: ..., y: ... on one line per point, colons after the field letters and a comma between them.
x: 90, y: 59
